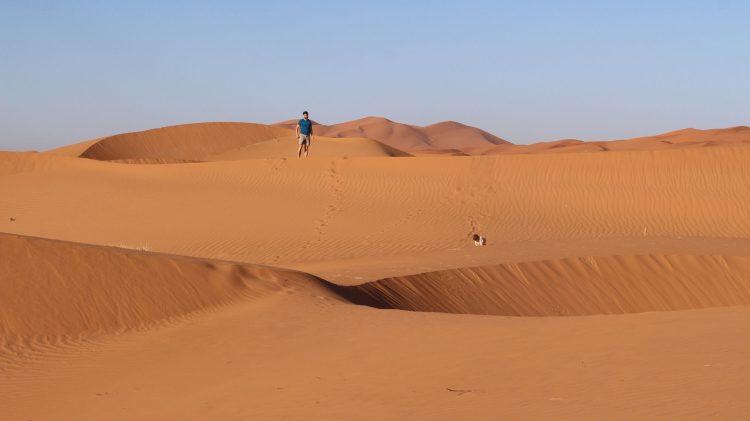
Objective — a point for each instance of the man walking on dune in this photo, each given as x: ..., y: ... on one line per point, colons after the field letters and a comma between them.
x: 304, y: 134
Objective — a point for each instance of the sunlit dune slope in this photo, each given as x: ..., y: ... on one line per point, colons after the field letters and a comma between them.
x: 183, y: 142
x: 290, y: 212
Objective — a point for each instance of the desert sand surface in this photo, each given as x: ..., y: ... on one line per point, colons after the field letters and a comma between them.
x: 203, y: 271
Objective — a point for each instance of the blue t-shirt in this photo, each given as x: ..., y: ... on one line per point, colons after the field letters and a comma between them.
x: 305, y: 126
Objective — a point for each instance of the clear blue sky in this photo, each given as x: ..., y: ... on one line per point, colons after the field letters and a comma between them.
x: 524, y: 70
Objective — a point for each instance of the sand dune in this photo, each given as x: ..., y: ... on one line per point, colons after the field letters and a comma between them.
x: 444, y: 137
x: 327, y: 209
x: 292, y: 342
x: 75, y: 149
x: 687, y: 138
x: 54, y: 290
x: 227, y: 289
x: 183, y: 142
x: 200, y: 142
x: 569, y: 287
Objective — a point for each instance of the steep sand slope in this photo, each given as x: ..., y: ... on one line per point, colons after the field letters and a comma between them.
x: 54, y: 290
x: 75, y: 149
x: 686, y: 138
x: 300, y: 353
x: 291, y: 212
x: 569, y: 287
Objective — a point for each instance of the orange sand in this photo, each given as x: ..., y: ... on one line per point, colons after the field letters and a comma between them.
x: 230, y: 280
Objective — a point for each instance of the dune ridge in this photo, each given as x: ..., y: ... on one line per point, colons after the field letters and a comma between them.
x: 172, y: 303
x: 575, y: 286
x: 54, y: 290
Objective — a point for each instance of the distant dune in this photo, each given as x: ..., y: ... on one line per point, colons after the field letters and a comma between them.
x: 687, y: 138
x: 444, y: 136
x: 370, y: 136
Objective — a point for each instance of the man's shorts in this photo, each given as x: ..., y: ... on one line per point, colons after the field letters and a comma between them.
x: 304, y: 139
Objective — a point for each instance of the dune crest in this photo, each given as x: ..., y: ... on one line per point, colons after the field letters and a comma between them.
x: 576, y: 286
x: 192, y: 142
x: 55, y: 290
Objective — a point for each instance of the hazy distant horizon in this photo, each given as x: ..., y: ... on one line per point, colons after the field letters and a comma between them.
x: 78, y: 70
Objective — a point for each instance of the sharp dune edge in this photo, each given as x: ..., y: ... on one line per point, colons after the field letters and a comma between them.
x: 76, y: 290
x: 221, y: 280
x: 569, y: 287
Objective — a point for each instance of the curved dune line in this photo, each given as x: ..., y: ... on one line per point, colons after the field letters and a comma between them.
x: 183, y: 142
x: 54, y: 290
x: 568, y: 287
x: 217, y: 141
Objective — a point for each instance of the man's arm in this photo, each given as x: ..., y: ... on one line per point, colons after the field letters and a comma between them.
x: 296, y: 130
x: 311, y: 131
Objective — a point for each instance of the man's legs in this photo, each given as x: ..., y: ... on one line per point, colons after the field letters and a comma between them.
x: 304, y: 142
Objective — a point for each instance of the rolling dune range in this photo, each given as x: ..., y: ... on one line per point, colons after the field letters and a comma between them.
x: 222, y: 279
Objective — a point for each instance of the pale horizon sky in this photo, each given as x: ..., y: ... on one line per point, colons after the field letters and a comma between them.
x: 524, y: 71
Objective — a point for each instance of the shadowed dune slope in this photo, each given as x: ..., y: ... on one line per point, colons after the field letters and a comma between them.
x: 75, y: 149
x: 53, y: 289
x: 454, y: 135
x: 187, y: 142
x: 569, y: 287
